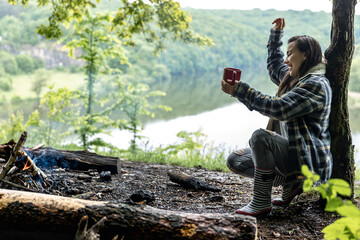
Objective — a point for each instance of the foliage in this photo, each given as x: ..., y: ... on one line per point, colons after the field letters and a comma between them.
x: 191, y: 150
x: 9, y: 64
x: 51, y: 131
x: 5, y: 80
x: 17, y: 64
x: 13, y: 127
x: 97, y: 45
x: 236, y: 44
x: 17, y: 28
x: 25, y: 63
x: 347, y: 227
x: 133, y: 99
x: 132, y: 17
x: 60, y: 110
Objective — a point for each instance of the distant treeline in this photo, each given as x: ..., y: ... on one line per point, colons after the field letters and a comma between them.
x: 240, y: 39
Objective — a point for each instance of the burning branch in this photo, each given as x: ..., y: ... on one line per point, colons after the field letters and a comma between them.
x: 13, y: 155
x: 30, y: 165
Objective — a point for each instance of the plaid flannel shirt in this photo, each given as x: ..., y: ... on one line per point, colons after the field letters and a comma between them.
x: 305, y: 109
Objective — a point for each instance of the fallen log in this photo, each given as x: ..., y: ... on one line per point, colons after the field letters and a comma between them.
x: 38, y: 216
x: 76, y: 160
x: 190, y: 182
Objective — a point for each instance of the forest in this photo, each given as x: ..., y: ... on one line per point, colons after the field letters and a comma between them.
x: 239, y: 39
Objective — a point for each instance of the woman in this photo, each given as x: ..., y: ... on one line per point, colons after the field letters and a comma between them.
x: 299, y: 118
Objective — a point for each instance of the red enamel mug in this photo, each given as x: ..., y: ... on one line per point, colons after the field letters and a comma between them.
x: 231, y: 75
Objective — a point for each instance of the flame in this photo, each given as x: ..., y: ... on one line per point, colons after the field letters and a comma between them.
x: 26, y: 165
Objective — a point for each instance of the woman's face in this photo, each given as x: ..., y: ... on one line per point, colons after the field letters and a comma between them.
x: 294, y: 59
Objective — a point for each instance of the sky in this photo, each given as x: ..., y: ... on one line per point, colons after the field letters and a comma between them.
x: 282, y: 5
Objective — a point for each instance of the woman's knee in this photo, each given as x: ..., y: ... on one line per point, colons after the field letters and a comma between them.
x: 241, y: 163
x: 231, y: 160
x: 259, y: 137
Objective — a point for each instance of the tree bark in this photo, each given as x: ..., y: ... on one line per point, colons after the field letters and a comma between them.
x: 339, y: 57
x: 38, y: 215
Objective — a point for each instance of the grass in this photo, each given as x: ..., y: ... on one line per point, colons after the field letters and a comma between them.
x: 192, y: 150
x: 215, y: 162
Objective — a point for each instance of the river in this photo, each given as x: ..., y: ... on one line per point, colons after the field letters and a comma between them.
x: 229, y: 127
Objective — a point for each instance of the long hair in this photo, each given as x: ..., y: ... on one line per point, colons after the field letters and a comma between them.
x: 313, y: 53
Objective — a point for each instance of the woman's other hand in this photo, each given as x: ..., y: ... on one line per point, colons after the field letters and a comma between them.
x: 227, y: 87
x: 279, y: 24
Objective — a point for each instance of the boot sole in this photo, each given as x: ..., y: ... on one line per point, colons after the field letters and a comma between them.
x: 255, y: 214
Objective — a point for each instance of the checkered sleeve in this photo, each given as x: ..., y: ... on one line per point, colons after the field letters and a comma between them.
x: 306, y: 97
x: 275, y: 61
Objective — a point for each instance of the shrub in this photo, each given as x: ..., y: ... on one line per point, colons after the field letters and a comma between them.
x: 10, y: 65
x: 25, y: 63
x: 5, y: 83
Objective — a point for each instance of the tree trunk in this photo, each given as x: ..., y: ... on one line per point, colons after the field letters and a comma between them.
x: 39, y: 216
x: 339, y: 57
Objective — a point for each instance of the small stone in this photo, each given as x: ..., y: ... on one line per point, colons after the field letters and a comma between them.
x: 142, y: 195
x: 216, y: 198
x: 105, y: 175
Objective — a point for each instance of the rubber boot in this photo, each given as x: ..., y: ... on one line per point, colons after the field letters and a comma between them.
x: 290, y: 191
x: 261, y: 202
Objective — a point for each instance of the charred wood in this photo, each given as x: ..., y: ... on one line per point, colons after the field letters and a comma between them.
x: 79, y: 160
x: 76, y: 160
x: 6, y: 149
x: 17, y: 186
x: 190, y: 182
x: 13, y: 155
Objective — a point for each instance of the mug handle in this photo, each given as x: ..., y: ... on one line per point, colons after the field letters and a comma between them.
x: 233, y: 77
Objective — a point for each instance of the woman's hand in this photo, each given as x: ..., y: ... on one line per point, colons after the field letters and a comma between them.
x: 227, y: 87
x: 279, y: 24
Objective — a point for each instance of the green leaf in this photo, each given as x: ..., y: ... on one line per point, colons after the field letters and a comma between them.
x: 340, y: 186
x: 333, y: 204
x: 305, y: 170
x: 307, y: 185
x: 337, y: 230
x: 349, y: 211
x: 316, y: 177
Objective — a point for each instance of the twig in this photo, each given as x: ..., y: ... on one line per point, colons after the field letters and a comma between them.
x: 17, y: 186
x: 13, y: 155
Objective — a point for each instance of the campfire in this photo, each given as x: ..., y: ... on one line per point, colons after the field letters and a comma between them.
x: 39, y: 169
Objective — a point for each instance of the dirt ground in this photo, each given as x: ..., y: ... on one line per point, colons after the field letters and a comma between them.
x: 303, y: 219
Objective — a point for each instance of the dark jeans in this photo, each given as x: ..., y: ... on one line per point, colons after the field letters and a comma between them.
x: 268, y: 150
